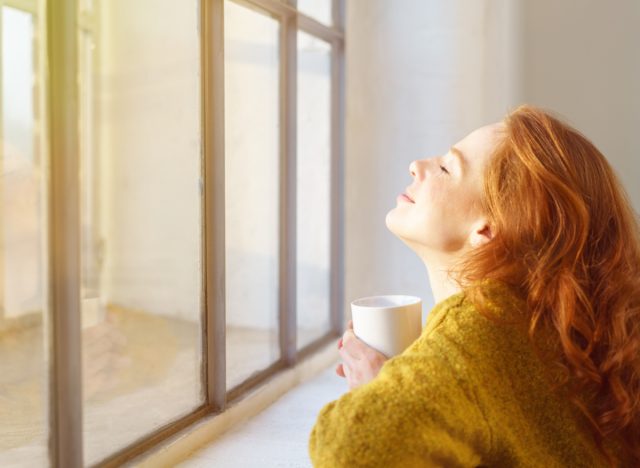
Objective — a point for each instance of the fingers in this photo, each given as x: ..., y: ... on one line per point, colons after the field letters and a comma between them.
x: 353, y: 346
x: 348, y: 359
x: 350, y: 325
x: 350, y: 376
x: 339, y: 369
x: 346, y: 370
x: 354, y: 349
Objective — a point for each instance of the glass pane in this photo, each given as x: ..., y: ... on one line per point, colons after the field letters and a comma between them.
x: 141, y: 220
x: 313, y: 188
x: 319, y: 10
x: 89, y: 180
x: 252, y: 190
x: 85, y: 5
x: 24, y: 394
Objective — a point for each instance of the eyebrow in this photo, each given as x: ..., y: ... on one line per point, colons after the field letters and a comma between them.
x: 461, y: 157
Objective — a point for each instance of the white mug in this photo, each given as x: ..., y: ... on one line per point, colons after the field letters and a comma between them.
x: 388, y: 324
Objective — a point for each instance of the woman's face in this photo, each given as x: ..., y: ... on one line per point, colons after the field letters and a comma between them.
x: 440, y: 210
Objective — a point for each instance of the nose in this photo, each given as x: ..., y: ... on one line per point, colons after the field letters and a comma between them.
x: 416, y: 169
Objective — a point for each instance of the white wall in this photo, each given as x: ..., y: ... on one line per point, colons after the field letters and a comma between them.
x: 420, y: 76
x: 582, y: 59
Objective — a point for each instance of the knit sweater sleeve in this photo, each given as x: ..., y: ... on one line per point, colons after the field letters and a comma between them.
x: 419, y: 411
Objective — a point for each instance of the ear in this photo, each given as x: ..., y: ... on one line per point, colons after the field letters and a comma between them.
x: 481, y: 233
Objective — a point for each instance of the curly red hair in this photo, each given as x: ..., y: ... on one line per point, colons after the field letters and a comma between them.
x: 566, y: 237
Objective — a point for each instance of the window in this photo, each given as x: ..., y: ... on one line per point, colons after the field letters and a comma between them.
x: 252, y: 186
x: 24, y: 355
x: 141, y: 220
x: 313, y: 215
x: 174, y: 239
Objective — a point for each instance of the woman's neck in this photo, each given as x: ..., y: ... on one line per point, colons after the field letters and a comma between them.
x: 442, y: 286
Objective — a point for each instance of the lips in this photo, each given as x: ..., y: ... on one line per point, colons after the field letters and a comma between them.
x: 409, y: 197
x: 403, y: 197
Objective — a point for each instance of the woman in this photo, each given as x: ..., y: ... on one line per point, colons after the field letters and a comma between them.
x: 530, y: 356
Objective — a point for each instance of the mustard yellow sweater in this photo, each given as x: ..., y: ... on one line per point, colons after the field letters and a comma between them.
x: 466, y: 393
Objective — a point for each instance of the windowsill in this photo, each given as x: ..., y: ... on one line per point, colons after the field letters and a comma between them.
x: 279, y: 435
x: 209, y: 431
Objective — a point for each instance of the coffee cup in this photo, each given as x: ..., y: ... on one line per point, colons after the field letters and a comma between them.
x: 387, y: 323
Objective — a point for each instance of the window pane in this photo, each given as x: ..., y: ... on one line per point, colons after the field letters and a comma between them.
x: 313, y: 188
x: 89, y: 193
x: 141, y: 220
x: 319, y: 10
x: 252, y: 190
x: 85, y: 5
x: 24, y: 396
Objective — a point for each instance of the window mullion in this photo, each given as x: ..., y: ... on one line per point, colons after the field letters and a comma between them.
x: 288, y: 90
x: 315, y: 28
x: 212, y: 53
x: 337, y: 173
x: 65, y: 369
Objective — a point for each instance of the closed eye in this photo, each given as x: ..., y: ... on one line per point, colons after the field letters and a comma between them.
x: 444, y: 169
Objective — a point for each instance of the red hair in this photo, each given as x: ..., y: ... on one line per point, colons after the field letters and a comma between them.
x: 565, y: 236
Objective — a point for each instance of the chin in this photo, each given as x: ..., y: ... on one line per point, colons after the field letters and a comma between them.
x: 388, y: 221
x: 394, y: 224
x: 410, y: 239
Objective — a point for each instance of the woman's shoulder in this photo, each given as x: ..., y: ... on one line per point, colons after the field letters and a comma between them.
x: 489, y: 318
x: 487, y: 303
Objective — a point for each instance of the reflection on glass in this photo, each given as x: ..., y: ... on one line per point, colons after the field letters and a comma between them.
x: 252, y: 190
x: 23, y: 357
x: 141, y: 222
x: 313, y: 189
x: 320, y: 10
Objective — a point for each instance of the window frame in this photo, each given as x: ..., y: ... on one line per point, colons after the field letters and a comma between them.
x: 63, y: 21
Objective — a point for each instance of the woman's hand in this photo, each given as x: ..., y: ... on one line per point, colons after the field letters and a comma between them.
x: 361, y: 363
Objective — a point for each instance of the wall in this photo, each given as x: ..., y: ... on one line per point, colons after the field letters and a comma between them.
x: 420, y: 76
x: 581, y: 59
